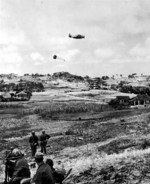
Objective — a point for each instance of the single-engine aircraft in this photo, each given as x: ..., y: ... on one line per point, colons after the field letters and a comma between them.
x: 76, y: 36
x: 56, y: 57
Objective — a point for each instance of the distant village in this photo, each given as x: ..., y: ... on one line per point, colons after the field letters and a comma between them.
x: 136, y: 88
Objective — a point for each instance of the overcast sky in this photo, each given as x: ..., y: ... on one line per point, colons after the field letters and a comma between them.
x: 117, y: 36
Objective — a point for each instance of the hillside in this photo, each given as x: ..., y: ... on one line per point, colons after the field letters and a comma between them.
x: 108, y: 147
x: 101, y: 144
x: 65, y: 79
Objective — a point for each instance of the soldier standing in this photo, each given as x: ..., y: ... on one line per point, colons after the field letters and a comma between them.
x: 33, y: 140
x: 43, y: 141
x: 10, y: 164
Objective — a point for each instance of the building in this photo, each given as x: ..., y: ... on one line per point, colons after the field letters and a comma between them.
x: 130, y: 100
x: 140, y: 99
x: 95, y: 83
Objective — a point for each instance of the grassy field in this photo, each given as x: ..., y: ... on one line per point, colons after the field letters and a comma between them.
x: 102, y: 145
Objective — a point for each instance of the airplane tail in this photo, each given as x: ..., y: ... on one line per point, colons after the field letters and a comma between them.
x: 70, y: 35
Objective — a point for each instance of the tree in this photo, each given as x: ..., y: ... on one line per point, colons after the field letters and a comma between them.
x: 105, y: 77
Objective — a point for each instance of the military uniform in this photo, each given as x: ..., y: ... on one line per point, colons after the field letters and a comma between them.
x: 33, y: 140
x: 10, y: 163
x: 44, y: 174
x: 59, y: 175
x: 21, y: 170
x: 43, y: 142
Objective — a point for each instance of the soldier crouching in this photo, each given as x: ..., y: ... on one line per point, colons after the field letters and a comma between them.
x: 21, y: 168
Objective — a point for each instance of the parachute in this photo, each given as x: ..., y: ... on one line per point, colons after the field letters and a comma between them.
x: 56, y: 57
x: 76, y: 36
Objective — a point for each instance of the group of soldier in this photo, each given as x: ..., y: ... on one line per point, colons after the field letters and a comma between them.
x: 34, y: 142
x: 17, y: 167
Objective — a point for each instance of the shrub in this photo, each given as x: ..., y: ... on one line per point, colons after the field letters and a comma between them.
x: 71, y: 108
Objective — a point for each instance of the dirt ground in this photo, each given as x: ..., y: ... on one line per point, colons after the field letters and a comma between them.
x: 99, y: 146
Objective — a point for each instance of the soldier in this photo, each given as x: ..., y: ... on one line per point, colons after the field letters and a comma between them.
x: 10, y: 154
x: 10, y: 163
x: 43, y: 141
x: 21, y: 169
x: 33, y: 140
x: 59, y: 175
x: 44, y: 173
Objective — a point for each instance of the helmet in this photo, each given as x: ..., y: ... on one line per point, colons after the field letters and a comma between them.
x: 11, y: 148
x: 39, y: 155
x: 17, y: 152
